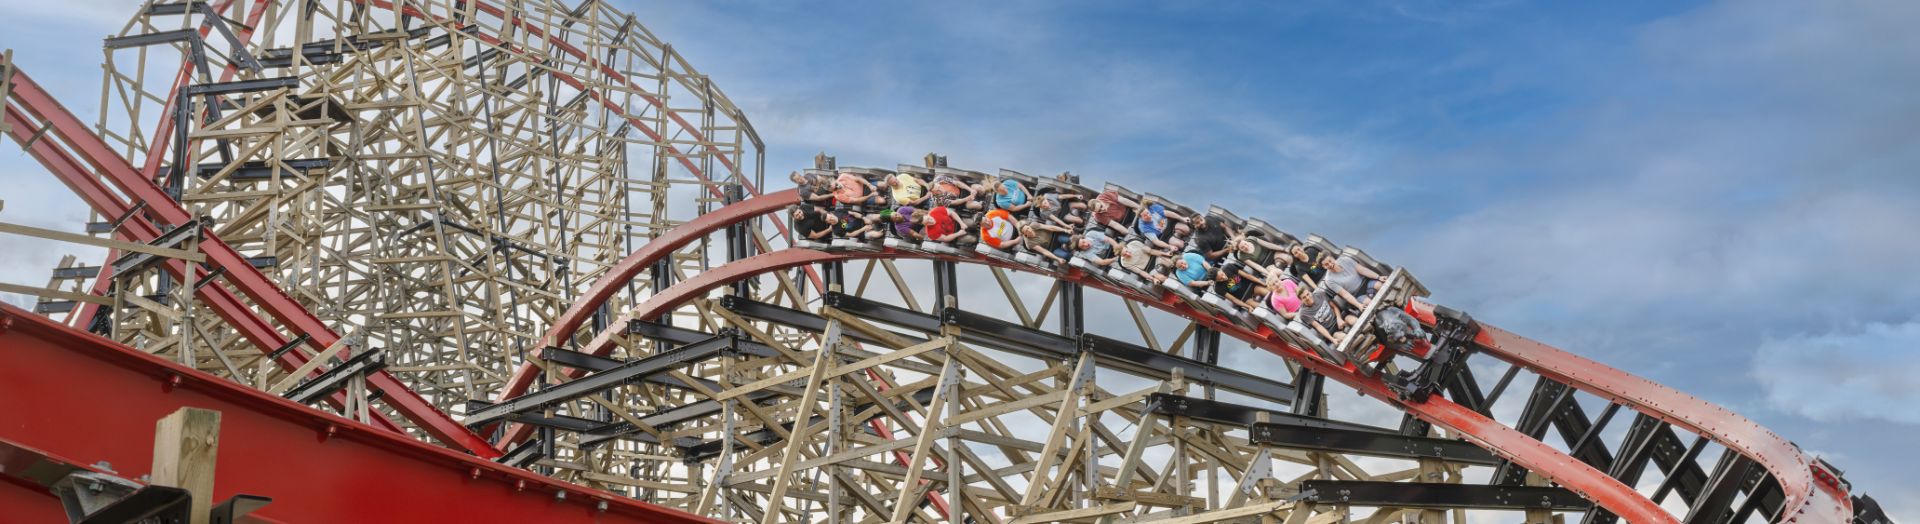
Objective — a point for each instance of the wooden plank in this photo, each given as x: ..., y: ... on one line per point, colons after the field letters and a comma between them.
x: 1076, y: 514
x: 1230, y: 514
x: 55, y: 293
x: 312, y: 364
x: 109, y: 243
x: 185, y: 446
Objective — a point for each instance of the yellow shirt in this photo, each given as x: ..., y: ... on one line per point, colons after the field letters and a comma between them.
x: 909, y: 188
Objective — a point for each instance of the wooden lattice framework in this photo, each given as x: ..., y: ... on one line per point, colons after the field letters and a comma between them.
x: 442, y: 177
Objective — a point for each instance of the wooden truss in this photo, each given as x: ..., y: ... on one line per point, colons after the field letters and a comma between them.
x: 442, y: 176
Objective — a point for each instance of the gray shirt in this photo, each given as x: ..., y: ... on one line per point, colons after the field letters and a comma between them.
x: 1097, y: 245
x: 1348, y: 277
x: 1322, y: 311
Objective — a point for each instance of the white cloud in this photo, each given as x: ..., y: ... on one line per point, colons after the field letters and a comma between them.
x: 1866, y: 372
x: 105, y: 15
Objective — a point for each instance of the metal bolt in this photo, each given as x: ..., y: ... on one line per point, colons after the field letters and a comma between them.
x: 559, y: 495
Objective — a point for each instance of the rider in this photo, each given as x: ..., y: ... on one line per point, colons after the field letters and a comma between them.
x: 944, y: 226
x: 999, y: 230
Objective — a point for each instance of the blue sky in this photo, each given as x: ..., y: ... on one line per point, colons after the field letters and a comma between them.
x: 1720, y: 196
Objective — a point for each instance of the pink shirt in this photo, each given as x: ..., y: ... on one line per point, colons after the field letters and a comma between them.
x: 849, y: 190
x: 1286, y: 298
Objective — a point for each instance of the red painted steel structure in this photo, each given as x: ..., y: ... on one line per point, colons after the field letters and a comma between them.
x: 87, y: 399
x: 38, y: 110
x: 1806, y: 499
x: 1793, y: 468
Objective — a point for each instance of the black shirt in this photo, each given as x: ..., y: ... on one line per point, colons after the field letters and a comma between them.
x: 848, y: 223
x: 1230, y: 282
x: 1301, y: 268
x: 809, y: 222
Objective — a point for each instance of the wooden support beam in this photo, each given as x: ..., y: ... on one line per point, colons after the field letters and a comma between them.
x: 109, y: 243
x: 185, y: 446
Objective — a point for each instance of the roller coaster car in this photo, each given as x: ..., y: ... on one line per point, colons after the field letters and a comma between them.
x: 1228, y: 308
x: 1066, y: 187
x: 900, y: 243
x: 1126, y: 278
x: 941, y: 249
x: 1174, y: 207
x: 1298, y: 335
x: 1452, y: 339
x: 1188, y: 295
x: 923, y: 173
x: 1082, y: 264
x: 851, y: 244
x: 1025, y: 180
x: 984, y: 249
x: 1034, y: 260
x: 1271, y: 234
x: 1233, y: 221
x: 970, y: 177
x: 1125, y: 193
x: 1363, y: 259
x: 1395, y: 291
x: 809, y: 244
x: 1314, y: 240
x: 1180, y: 290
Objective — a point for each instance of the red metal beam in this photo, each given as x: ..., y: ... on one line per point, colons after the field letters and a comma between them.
x: 96, y: 153
x: 223, y: 302
x: 89, y: 399
x: 1788, y: 465
x: 640, y: 259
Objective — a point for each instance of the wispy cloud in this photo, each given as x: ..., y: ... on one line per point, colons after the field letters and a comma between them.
x: 1865, y: 372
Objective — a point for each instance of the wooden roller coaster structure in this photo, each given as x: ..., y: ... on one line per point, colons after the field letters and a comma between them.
x: 459, y: 259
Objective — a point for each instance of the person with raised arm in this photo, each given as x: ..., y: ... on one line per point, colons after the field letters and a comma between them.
x: 943, y: 225
x: 907, y: 190
x: 852, y: 190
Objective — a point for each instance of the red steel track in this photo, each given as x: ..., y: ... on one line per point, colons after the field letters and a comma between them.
x: 86, y: 399
x: 1806, y: 499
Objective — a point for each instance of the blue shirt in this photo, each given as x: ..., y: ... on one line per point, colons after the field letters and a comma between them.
x: 1015, y: 196
x: 1154, y: 221
x: 1196, y: 268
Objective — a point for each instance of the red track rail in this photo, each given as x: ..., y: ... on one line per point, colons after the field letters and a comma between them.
x: 88, y: 399
x: 1806, y: 500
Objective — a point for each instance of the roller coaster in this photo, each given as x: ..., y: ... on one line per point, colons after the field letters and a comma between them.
x: 500, y: 261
